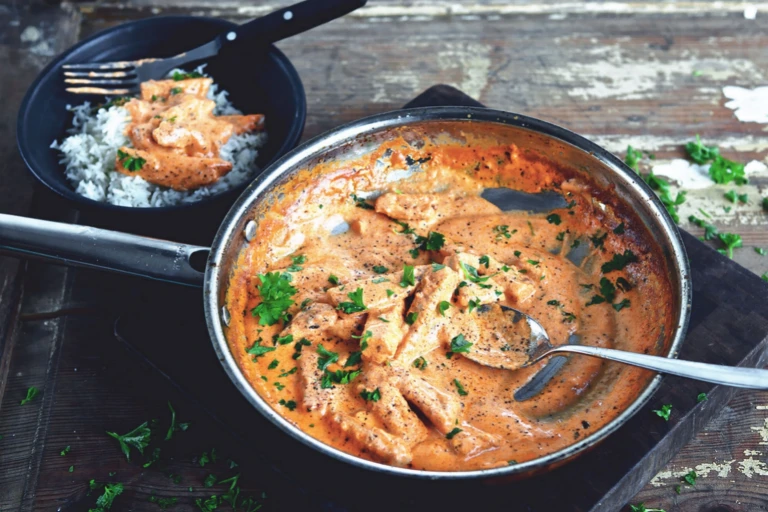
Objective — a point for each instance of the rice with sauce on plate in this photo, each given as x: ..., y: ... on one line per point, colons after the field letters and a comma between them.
x: 90, y: 150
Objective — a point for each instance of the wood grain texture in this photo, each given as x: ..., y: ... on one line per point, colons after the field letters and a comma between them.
x: 618, y: 72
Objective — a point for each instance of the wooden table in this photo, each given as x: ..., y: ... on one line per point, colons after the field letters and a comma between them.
x: 646, y: 74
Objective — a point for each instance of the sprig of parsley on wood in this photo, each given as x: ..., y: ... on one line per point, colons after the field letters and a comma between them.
x: 137, y: 438
x: 721, y: 170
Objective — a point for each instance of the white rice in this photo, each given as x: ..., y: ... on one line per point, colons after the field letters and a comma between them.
x: 88, y: 154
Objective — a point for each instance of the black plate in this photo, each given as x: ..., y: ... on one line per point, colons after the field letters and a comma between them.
x: 259, y: 80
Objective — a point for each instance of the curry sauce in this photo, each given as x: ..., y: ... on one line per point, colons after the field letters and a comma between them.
x: 359, y: 308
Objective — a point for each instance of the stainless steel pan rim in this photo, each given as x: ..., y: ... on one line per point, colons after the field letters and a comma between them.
x: 215, y: 282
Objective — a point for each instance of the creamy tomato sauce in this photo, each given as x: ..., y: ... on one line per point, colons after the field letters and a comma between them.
x: 384, y: 285
x: 176, y: 137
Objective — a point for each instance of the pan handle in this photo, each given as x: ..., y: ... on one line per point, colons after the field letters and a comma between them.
x: 83, y: 246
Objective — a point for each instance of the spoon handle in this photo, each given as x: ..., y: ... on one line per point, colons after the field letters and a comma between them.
x: 751, y: 378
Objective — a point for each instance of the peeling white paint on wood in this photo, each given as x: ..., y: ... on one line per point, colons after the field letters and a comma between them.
x: 749, y: 106
x: 719, y: 469
x: 762, y: 431
x: 749, y: 467
x: 617, y: 143
x: 472, y: 60
x: 687, y: 175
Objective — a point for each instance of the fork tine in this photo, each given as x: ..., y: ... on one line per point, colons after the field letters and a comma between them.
x: 99, y: 74
x: 100, y: 91
x: 101, y: 65
x: 124, y: 83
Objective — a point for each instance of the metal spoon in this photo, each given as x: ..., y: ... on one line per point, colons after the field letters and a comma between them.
x: 521, y: 341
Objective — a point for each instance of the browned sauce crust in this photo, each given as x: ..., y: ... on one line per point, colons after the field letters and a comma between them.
x: 436, y: 408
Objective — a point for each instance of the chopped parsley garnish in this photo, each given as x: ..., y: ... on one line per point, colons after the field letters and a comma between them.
x: 408, y: 278
x: 356, y: 305
x: 137, y: 438
x: 380, y: 269
x: 411, y: 317
x: 383, y: 319
x: 274, y: 364
x: 361, y: 203
x: 65, y: 450
x: 664, y: 411
x: 460, y: 388
x: 338, y: 377
x: 380, y: 280
x: 473, y: 304
x: 333, y: 279
x: 177, y: 76
x: 710, y: 230
x: 210, y: 480
x: 258, y: 350
x: 760, y: 251
x: 276, y: 292
x: 290, y: 404
x: 619, y: 230
x: 640, y: 507
x: 176, y: 90
x: 530, y: 226
x: 607, y: 290
x: 598, y: 240
x: 354, y: 358
x: 471, y: 274
x: 730, y: 195
x: 484, y: 260
x: 131, y: 163
x: 459, y: 344
x: 502, y: 231
x: 452, y: 433
x: 662, y: 187
x: 175, y: 427
x: 690, y: 477
x: 517, y: 254
x: 623, y: 285
x: 371, y: 396
x: 32, y: 392
x: 621, y: 305
x: 596, y: 299
x: 304, y: 304
x: 407, y: 230
x: 116, y: 102
x: 575, y: 243
x: 561, y: 236
x: 390, y: 293
x: 414, y: 253
x: 701, y: 397
x: 289, y: 372
x: 111, y: 491
x: 434, y: 241
x: 731, y: 242
x: 721, y: 170
x: 764, y: 202
x: 633, y: 157
x: 326, y: 357
x: 535, y: 263
x: 554, y: 218
x: 443, y: 306
x: 283, y: 340
x: 555, y: 303
x: 420, y: 363
x: 436, y: 267
x: 619, y: 261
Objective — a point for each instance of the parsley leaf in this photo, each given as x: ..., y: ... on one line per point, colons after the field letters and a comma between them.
x: 502, y: 231
x: 554, y: 218
x: 459, y: 388
x: 163, y: 503
x: 700, y: 153
x: 619, y: 230
x: 356, y: 305
x: 597, y: 240
x: 640, y: 507
x: 32, y: 392
x: 619, y: 261
x: 276, y: 292
x: 111, y: 491
x: 290, y: 404
x: 174, y: 426
x: 459, y: 344
x: 690, y: 477
x: 411, y: 317
x: 408, y: 278
x: 65, y: 451
x: 664, y: 411
x: 176, y: 90
x: 453, y: 432
x: 632, y: 158
x: 621, y: 305
x: 710, y: 230
x: 380, y: 269
x: 131, y: 163
x: 177, y: 76
x: 361, y: 203
x: 257, y: 350
x: 701, y: 397
x: 730, y: 195
x: 333, y: 280
x: 434, y: 241
x: 371, y: 396
x: 724, y: 171
x: 326, y: 357
x: 443, y: 307
x: 420, y: 363
x: 137, y: 438
x: 484, y: 260
x: 338, y: 377
x: 731, y: 242
x: 437, y: 267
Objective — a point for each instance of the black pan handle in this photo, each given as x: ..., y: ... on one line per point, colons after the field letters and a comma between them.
x: 83, y: 246
x: 289, y: 21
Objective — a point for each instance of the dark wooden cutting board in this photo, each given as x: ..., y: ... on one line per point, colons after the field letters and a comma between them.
x: 162, y: 326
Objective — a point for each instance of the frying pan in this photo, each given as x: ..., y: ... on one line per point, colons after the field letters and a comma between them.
x: 210, y: 268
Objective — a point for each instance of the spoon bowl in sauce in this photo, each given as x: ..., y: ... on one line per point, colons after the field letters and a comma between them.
x: 514, y: 340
